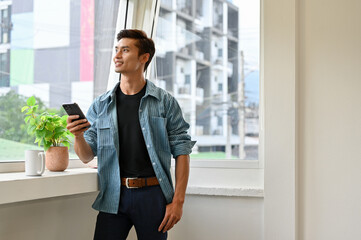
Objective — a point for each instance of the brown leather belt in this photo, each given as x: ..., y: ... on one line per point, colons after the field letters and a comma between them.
x: 139, y: 182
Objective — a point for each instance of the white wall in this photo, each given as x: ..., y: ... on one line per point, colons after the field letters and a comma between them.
x: 329, y: 120
x: 59, y: 218
x: 278, y: 45
x: 219, y: 217
x: 72, y: 217
x: 208, y: 217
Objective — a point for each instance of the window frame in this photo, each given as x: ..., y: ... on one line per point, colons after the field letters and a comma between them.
x: 280, y: 51
x: 133, y: 21
x: 234, y: 163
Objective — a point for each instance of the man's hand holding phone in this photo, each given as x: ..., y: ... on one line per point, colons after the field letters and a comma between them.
x: 77, y: 126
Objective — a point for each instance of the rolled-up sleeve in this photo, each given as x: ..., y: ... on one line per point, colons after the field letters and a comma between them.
x: 179, y: 140
x: 91, y: 134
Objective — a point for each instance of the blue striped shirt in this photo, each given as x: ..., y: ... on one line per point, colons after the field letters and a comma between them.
x: 164, y: 131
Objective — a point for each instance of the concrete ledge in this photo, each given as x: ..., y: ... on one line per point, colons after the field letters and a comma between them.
x: 223, y: 191
x: 17, y: 187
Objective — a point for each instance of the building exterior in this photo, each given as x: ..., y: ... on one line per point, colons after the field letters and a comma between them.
x: 5, y: 37
x: 57, y: 50
x: 199, y: 61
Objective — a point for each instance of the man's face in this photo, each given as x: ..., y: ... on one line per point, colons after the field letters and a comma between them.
x: 126, y: 58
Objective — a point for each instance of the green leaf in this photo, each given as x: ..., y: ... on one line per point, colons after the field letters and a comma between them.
x: 32, y: 121
x: 31, y: 101
x: 46, y: 145
x: 48, y: 134
x: 58, y: 135
x: 49, y: 126
x: 31, y: 129
x: 59, y: 129
x: 38, y: 140
x: 39, y: 124
x: 27, y: 119
x: 63, y: 119
x: 24, y: 108
x: 38, y: 134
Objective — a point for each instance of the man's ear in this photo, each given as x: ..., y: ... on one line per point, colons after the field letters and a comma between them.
x: 144, y: 57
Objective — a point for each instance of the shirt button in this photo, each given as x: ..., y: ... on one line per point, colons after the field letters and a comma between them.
x: 153, y: 163
x: 143, y: 129
x: 148, y: 146
x: 140, y: 110
x: 160, y: 179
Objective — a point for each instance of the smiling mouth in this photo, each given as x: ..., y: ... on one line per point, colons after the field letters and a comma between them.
x: 118, y: 64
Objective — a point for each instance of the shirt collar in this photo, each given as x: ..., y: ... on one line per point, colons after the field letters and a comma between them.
x: 151, y: 90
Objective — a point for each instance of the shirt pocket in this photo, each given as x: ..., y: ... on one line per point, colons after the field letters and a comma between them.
x: 105, y: 138
x: 160, y: 133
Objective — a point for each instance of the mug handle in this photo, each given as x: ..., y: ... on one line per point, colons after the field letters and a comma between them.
x: 42, y: 170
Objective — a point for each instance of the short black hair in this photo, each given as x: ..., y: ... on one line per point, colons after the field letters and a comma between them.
x: 144, y: 44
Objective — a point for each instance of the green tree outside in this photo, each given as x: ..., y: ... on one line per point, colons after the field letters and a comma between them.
x: 12, y: 125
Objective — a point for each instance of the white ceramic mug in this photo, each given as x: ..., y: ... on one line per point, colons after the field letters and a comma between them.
x: 34, y: 162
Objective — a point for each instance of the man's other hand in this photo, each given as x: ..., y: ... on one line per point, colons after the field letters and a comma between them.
x: 173, y: 214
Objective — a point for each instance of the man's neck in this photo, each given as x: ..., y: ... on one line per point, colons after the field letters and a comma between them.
x: 132, y: 85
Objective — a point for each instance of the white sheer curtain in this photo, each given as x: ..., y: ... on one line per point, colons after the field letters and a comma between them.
x: 106, y: 14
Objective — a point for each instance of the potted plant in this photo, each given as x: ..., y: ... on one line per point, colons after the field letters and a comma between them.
x: 50, y: 131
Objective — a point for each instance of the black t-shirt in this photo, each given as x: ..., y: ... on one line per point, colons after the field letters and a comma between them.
x: 134, y: 159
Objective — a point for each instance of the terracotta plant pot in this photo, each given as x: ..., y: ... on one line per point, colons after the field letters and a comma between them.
x: 57, y: 158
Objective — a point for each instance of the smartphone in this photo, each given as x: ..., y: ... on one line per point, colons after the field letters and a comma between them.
x: 73, y: 109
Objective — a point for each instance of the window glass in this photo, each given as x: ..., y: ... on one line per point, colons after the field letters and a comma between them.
x: 207, y: 56
x: 5, y: 22
x: 58, y: 51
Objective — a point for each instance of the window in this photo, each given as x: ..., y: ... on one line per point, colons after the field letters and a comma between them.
x: 4, y: 69
x: 5, y: 23
x: 59, y: 51
x: 208, y: 58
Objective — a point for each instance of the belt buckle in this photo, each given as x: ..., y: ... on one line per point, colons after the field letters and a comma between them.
x: 127, y: 182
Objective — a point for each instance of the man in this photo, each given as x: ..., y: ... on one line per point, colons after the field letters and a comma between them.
x: 134, y: 129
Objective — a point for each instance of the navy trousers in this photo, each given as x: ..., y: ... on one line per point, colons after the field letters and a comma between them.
x: 143, y: 208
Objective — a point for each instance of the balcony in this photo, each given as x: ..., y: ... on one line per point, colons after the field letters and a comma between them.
x: 199, y: 130
x: 229, y: 69
x: 199, y: 96
x: 184, y: 90
x: 200, y: 55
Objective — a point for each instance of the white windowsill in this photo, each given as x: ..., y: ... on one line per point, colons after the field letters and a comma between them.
x: 225, y: 191
x: 17, y: 187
